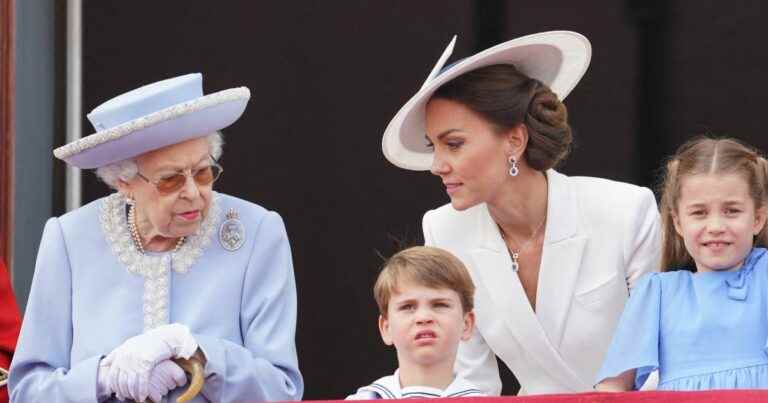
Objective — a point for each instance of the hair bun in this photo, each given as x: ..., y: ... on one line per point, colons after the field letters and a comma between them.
x: 546, y: 108
x: 547, y: 121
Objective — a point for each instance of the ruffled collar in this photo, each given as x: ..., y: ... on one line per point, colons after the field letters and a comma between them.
x: 738, y: 287
x: 116, y: 229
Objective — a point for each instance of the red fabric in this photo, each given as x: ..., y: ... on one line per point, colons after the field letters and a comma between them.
x: 720, y: 396
x: 10, y: 323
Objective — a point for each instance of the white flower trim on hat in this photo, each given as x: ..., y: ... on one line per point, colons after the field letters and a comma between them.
x: 156, y: 269
x: 114, y: 133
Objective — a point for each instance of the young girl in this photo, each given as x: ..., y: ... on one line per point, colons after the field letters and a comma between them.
x: 703, y: 321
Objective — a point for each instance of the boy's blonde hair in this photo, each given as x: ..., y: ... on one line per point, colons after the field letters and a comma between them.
x: 426, y: 266
x: 707, y: 155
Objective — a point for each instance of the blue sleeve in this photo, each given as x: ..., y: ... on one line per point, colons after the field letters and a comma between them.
x: 41, y: 370
x: 635, y: 343
x: 266, y: 367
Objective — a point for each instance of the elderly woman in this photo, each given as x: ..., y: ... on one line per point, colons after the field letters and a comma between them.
x: 163, y: 269
x: 552, y: 256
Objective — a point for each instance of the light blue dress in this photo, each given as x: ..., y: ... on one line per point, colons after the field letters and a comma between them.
x: 92, y: 290
x: 700, y: 330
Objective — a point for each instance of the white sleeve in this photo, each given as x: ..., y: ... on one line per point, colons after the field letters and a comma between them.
x: 429, y: 240
x: 476, y: 362
x: 643, y: 246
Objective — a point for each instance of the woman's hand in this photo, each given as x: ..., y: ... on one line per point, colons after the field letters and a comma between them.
x: 165, y: 377
x: 132, y: 362
x: 622, y: 383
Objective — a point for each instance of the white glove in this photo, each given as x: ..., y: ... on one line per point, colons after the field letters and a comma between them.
x: 131, y: 362
x: 165, y: 377
x: 102, y: 379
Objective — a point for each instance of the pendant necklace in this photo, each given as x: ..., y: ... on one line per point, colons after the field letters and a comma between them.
x: 516, y: 254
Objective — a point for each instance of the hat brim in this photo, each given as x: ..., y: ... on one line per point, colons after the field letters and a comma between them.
x: 189, y: 120
x: 558, y: 59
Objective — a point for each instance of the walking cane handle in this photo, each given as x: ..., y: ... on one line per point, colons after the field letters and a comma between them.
x: 194, y: 368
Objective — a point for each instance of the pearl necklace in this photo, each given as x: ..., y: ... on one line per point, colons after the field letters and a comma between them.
x: 516, y: 255
x: 135, y: 232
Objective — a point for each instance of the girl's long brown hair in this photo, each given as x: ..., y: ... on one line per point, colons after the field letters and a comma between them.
x: 707, y: 155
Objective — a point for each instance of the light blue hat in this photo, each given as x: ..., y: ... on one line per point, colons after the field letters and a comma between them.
x: 151, y: 117
x: 556, y: 58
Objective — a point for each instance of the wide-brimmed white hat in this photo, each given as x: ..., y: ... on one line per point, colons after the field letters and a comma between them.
x: 557, y: 58
x: 151, y: 117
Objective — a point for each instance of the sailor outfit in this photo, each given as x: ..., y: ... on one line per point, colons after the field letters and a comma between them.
x: 389, y: 387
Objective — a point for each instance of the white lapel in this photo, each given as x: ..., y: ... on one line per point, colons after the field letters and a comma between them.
x: 561, y: 258
x: 492, y: 269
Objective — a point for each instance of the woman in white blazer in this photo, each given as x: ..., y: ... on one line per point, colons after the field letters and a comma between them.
x: 553, y: 257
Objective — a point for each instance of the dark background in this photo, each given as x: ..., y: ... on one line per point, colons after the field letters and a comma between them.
x: 326, y: 77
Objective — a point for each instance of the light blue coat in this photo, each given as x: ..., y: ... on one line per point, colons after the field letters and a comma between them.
x: 240, y: 305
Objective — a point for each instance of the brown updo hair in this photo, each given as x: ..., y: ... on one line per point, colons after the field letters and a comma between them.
x: 506, y: 98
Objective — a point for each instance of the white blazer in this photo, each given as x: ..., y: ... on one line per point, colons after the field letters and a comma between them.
x: 600, y: 236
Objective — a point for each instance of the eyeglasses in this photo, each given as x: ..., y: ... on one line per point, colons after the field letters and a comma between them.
x: 172, y: 183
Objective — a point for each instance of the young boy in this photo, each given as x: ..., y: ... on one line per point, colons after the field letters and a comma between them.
x: 425, y: 297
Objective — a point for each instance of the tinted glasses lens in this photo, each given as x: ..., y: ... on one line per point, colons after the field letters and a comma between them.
x: 207, y: 175
x: 171, y: 183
